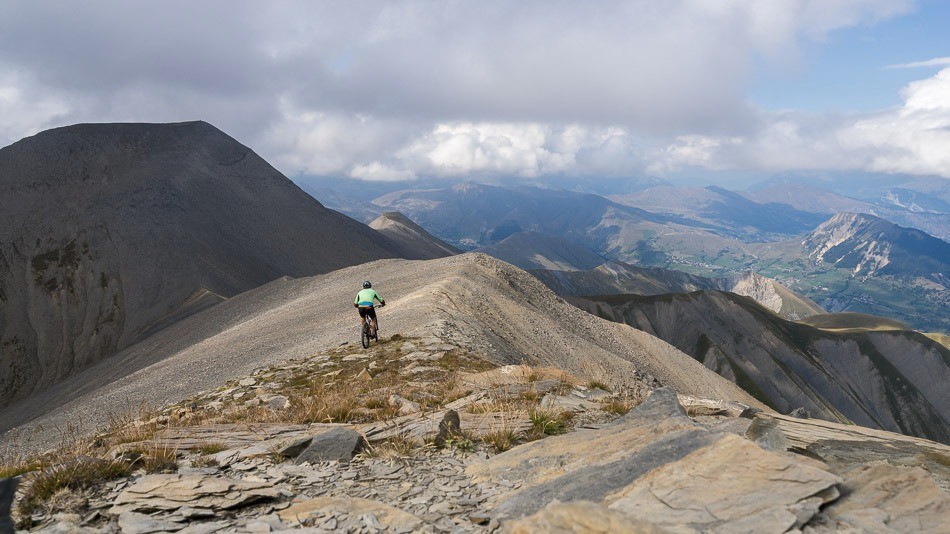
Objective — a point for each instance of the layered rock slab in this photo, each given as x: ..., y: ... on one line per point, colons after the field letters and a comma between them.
x: 171, y: 492
x: 657, y: 466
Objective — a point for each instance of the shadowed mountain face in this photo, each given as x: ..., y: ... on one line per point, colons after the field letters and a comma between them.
x: 618, y: 278
x: 109, y: 229
x: 895, y: 380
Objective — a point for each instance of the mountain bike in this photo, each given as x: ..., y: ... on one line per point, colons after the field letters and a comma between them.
x: 367, y: 333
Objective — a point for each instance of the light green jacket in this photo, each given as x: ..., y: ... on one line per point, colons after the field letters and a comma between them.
x: 365, y: 298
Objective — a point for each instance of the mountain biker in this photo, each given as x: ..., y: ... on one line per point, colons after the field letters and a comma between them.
x: 364, y: 302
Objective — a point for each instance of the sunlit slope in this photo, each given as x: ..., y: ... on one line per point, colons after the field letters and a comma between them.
x: 476, y: 301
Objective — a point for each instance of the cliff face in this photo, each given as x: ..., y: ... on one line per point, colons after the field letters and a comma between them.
x: 871, y: 246
x: 107, y: 228
x: 887, y: 379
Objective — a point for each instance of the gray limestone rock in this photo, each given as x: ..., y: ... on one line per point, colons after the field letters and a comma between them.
x: 336, y: 444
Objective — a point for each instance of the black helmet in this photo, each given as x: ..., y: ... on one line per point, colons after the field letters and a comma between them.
x: 367, y: 285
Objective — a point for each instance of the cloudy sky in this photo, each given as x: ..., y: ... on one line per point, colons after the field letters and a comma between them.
x: 483, y: 89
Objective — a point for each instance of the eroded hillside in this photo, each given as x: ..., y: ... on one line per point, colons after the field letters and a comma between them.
x: 881, y: 379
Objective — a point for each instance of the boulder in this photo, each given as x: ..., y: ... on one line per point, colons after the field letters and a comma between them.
x: 451, y: 425
x: 336, y: 444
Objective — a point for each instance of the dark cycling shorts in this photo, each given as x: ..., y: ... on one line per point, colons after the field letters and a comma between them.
x: 364, y: 312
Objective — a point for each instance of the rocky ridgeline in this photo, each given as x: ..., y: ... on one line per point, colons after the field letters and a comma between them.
x: 422, y: 436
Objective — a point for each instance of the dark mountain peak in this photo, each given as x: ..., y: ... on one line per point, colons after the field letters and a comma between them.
x: 108, y: 229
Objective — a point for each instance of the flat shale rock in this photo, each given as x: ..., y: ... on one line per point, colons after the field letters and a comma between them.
x: 729, y: 485
x: 657, y: 466
x: 331, y: 511
x: 660, y: 416
x: 170, y: 492
x: 582, y: 517
x: 885, y: 498
x: 136, y: 523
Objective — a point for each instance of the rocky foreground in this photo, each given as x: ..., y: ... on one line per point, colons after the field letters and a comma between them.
x: 420, y: 435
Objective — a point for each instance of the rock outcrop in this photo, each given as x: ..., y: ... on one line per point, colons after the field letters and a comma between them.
x: 655, y: 470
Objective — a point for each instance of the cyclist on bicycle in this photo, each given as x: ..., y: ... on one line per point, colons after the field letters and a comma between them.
x: 364, y: 302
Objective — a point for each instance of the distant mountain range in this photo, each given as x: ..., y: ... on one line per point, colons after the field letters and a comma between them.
x: 896, y: 206
x: 710, y: 232
x: 887, y: 379
x: 109, y: 232
x: 617, y: 278
x: 728, y: 212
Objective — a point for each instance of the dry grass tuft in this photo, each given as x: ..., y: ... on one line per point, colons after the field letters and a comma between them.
x: 78, y: 474
x: 500, y: 440
x: 617, y: 406
x: 394, y: 447
x: 548, y: 423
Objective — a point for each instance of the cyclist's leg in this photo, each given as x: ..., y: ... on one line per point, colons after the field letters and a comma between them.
x: 372, y: 315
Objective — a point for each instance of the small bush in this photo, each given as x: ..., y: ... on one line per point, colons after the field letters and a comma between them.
x: 460, y: 442
x: 596, y: 384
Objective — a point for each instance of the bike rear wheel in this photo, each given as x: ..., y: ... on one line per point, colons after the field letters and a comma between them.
x: 364, y: 337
